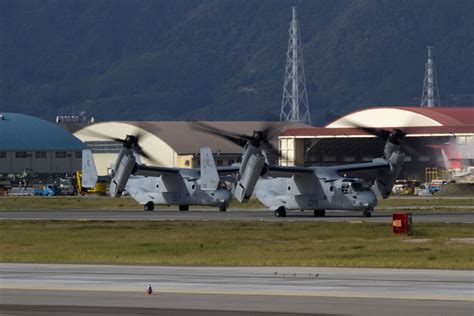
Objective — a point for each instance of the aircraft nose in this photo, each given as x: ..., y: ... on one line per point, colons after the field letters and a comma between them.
x: 368, y: 200
x: 372, y: 199
x: 223, y: 196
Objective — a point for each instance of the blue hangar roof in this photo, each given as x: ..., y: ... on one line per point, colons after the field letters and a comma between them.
x: 24, y: 132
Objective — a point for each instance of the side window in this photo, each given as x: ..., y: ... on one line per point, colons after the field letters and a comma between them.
x: 331, y: 188
x: 345, y: 188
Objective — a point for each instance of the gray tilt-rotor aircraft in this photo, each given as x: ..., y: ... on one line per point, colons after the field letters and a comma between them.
x: 150, y: 185
x: 282, y: 188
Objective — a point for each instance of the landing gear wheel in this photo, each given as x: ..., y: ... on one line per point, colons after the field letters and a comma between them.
x: 367, y: 213
x: 222, y: 207
x: 319, y: 213
x: 149, y: 206
x: 280, y: 212
x: 184, y: 207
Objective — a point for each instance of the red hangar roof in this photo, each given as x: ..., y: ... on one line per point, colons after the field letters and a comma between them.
x: 414, y: 121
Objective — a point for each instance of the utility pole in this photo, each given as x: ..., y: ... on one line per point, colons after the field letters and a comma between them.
x: 294, y: 106
x: 430, y: 94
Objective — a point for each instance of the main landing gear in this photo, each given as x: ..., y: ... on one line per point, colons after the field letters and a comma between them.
x: 222, y: 207
x: 367, y: 213
x: 319, y: 213
x: 149, y: 206
x: 184, y: 207
x: 280, y: 212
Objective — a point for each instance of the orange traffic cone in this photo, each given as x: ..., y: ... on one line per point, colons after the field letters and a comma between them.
x: 149, y: 290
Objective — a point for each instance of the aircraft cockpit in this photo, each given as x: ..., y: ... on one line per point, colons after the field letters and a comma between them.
x: 354, y: 186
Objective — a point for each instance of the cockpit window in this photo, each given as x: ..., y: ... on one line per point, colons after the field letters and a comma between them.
x: 357, y: 187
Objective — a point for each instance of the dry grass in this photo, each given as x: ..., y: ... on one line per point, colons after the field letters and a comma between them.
x: 236, y: 243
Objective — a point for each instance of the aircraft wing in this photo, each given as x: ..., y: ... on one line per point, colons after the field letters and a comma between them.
x: 378, y: 163
x: 287, y: 171
x: 222, y: 171
x: 154, y: 171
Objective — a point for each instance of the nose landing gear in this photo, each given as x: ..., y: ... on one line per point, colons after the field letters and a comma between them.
x: 222, y: 207
x: 149, y: 206
x: 280, y: 212
x: 319, y: 213
x: 367, y: 213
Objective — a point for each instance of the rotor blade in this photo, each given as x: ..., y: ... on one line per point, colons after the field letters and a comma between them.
x: 144, y: 154
x: 378, y: 132
x: 138, y: 134
x: 313, y: 144
x: 270, y: 148
x: 397, y: 136
x: 238, y: 139
x: 412, y: 151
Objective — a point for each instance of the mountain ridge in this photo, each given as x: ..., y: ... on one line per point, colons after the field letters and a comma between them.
x: 175, y: 60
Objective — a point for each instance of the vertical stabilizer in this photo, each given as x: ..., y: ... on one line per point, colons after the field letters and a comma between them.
x: 209, y: 176
x: 89, y: 172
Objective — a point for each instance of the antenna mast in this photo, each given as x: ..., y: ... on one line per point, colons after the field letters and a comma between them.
x: 294, y: 106
x: 430, y: 94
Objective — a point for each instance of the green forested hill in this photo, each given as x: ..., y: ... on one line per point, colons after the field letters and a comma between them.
x: 224, y: 59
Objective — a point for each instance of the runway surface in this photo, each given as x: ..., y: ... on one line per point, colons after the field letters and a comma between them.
x: 235, y: 214
x: 103, y: 289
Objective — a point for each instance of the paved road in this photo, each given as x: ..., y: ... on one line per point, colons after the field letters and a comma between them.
x: 212, y: 214
x: 95, y: 289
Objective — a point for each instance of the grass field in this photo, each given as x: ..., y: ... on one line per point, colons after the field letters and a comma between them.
x: 94, y: 202
x: 440, y: 246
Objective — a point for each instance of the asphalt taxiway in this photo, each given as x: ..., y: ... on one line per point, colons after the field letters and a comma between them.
x: 106, y: 289
x: 234, y: 214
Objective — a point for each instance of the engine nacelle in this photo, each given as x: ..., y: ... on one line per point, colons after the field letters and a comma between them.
x: 249, y: 152
x: 386, y: 178
x: 389, y: 149
x: 122, y: 172
x: 252, y: 170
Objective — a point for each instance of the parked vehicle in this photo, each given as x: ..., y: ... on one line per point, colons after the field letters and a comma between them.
x: 66, y: 186
x: 436, y: 185
x: 48, y: 190
x: 99, y: 189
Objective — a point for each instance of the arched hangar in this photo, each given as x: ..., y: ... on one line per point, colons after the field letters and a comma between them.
x: 441, y: 137
x: 32, y: 144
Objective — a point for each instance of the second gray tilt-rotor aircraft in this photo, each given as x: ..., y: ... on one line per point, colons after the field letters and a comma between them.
x: 282, y: 188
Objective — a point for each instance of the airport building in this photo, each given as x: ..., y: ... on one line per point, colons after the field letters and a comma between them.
x: 170, y: 143
x: 437, y: 139
x: 31, y: 144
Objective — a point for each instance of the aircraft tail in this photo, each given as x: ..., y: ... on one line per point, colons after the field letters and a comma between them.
x: 89, y: 171
x: 209, y: 175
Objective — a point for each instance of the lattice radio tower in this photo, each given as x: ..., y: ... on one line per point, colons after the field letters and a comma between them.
x: 430, y: 94
x: 294, y: 106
